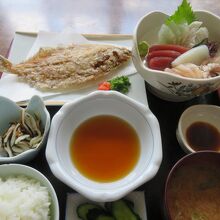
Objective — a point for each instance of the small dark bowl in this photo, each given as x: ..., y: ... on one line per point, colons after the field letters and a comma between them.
x: 193, y: 159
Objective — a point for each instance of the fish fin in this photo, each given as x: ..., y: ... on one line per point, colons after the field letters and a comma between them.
x: 43, y: 52
x: 5, y: 64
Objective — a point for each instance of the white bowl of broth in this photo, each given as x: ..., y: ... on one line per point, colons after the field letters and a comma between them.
x: 193, y: 187
x: 104, y: 145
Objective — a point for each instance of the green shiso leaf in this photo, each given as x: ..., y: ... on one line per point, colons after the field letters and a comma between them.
x: 184, y: 14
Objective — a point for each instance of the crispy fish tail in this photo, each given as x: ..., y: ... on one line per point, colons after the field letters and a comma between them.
x: 5, y: 65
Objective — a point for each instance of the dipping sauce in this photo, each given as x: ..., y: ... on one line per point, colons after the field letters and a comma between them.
x: 105, y: 148
x: 203, y: 136
x: 194, y: 192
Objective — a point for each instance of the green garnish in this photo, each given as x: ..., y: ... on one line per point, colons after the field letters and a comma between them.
x: 120, y: 84
x: 197, y: 216
x: 143, y: 48
x: 184, y: 14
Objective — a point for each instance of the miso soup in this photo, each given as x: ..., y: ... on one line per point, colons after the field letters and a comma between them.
x: 194, y: 192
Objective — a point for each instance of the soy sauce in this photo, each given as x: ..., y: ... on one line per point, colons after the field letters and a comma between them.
x: 203, y: 136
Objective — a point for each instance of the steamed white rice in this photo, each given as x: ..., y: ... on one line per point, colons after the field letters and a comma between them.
x: 23, y: 198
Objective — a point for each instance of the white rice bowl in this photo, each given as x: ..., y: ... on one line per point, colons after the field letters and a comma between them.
x: 25, y: 194
x: 23, y: 198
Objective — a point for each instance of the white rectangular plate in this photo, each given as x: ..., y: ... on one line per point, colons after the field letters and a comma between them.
x: 23, y: 42
x: 75, y: 199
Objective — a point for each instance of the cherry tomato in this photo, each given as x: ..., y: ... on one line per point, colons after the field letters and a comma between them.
x: 160, y: 63
x: 177, y: 48
x: 163, y: 53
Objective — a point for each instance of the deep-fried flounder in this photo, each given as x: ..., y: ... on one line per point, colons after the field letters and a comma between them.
x: 72, y: 67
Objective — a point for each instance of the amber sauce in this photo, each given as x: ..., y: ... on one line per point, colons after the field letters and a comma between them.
x: 203, y: 136
x: 104, y: 148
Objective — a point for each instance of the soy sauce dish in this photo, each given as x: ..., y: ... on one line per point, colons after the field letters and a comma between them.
x: 199, y: 128
x: 104, y: 145
x: 192, y: 188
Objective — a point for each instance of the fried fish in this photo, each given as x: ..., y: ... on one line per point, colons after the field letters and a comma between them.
x: 72, y: 67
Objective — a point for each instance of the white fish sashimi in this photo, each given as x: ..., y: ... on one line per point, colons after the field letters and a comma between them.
x: 189, y: 70
x: 196, y: 34
x: 201, y: 34
x: 197, y: 72
x: 196, y: 56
